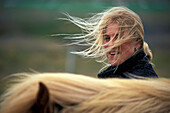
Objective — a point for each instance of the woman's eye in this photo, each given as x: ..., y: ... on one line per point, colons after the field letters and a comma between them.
x: 106, y: 38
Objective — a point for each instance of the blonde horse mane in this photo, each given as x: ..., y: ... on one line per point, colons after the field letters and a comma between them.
x: 82, y: 94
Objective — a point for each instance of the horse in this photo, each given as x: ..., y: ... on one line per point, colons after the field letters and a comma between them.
x: 75, y: 93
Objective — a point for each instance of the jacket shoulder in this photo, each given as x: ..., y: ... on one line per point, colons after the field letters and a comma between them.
x: 144, y: 70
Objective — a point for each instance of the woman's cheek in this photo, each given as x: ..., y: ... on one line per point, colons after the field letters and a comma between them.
x: 105, y: 46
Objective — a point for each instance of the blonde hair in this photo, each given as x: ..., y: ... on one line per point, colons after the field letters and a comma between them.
x: 93, y: 29
x: 82, y: 94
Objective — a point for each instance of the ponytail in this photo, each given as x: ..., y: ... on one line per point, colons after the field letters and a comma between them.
x: 147, y: 51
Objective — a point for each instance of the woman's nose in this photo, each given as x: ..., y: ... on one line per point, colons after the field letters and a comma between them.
x: 110, y: 43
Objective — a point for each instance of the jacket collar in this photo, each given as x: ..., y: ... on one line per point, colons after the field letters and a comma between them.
x: 128, y: 64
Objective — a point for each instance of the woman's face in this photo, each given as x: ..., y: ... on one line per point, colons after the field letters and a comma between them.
x: 115, y: 56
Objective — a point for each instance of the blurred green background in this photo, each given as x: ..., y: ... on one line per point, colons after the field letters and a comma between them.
x: 26, y: 26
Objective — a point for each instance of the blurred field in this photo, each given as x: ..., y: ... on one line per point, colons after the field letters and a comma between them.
x: 43, y: 55
x: 26, y: 44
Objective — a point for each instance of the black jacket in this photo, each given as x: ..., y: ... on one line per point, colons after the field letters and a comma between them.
x: 136, y: 66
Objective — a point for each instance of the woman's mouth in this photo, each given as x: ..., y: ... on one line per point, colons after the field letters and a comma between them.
x: 113, y: 53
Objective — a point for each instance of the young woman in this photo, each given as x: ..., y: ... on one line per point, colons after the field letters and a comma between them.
x: 116, y: 36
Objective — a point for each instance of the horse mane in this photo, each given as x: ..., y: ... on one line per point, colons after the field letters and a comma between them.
x: 82, y: 94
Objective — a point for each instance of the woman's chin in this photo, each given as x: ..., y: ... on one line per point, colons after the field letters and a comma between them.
x: 113, y: 63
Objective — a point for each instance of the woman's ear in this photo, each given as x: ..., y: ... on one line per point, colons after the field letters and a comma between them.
x: 138, y: 45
